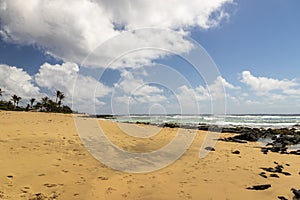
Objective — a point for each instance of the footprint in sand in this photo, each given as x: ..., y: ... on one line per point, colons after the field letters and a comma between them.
x: 41, y: 174
x: 110, y: 190
x: 124, y: 195
x: 102, y: 178
x: 48, y: 185
x: 25, y: 189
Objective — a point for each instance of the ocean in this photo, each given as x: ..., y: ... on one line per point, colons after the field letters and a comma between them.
x: 252, y: 121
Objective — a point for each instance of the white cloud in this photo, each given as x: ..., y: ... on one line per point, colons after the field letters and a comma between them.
x: 71, y: 29
x: 85, y: 90
x: 192, y: 98
x: 138, y: 48
x: 132, y: 89
x: 167, y: 14
x: 264, y: 85
x: 14, y: 80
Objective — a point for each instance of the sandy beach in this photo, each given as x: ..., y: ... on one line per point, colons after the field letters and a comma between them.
x: 42, y: 157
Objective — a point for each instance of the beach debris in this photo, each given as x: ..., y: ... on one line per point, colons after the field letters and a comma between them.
x: 296, y: 193
x: 282, y: 198
x: 259, y: 187
x: 236, y: 152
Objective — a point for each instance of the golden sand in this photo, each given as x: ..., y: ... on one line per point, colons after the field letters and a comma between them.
x: 41, y: 153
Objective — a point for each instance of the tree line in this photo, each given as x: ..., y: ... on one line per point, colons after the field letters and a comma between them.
x: 44, y: 105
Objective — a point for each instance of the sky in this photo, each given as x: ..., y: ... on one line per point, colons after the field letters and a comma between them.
x: 127, y: 57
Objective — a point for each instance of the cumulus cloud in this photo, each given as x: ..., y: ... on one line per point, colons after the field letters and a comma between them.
x: 14, y: 80
x: 71, y: 29
x: 191, y: 98
x: 216, y: 90
x: 168, y: 13
x: 86, y: 91
x: 134, y: 90
x: 138, y: 48
x: 264, y: 85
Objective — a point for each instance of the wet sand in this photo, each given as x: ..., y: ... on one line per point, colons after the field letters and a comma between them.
x: 42, y: 157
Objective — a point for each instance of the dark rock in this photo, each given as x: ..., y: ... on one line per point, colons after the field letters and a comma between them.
x: 209, y: 148
x: 171, y: 125
x: 279, y: 168
x: 268, y: 169
x: 263, y: 174
x: 286, y: 173
x: 276, y: 169
x: 231, y: 139
x: 264, y: 150
x: 282, y: 198
x: 276, y: 147
x: 274, y: 175
x: 236, y: 152
x: 259, y: 187
x: 145, y: 123
x: 294, y: 152
x: 296, y: 192
x: 249, y: 136
x: 203, y: 127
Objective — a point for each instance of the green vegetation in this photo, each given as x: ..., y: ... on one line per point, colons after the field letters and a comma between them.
x: 45, y: 105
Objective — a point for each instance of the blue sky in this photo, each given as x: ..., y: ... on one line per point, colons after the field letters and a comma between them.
x: 255, y: 45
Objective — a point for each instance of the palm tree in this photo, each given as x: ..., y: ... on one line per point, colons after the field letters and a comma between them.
x: 9, y: 104
x: 32, y: 100
x: 18, y: 100
x: 14, y: 98
x: 61, y: 97
x: 58, y: 93
x: 1, y: 102
x: 45, y: 101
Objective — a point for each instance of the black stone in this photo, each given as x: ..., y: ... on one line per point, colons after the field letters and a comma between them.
x: 263, y: 174
x: 274, y: 175
x: 259, y: 187
x: 296, y: 192
x: 286, y: 173
x: 264, y: 150
x: 209, y: 148
x: 236, y: 152
x: 282, y: 198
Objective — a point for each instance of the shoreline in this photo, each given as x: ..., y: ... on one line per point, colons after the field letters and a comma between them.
x: 42, y: 157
